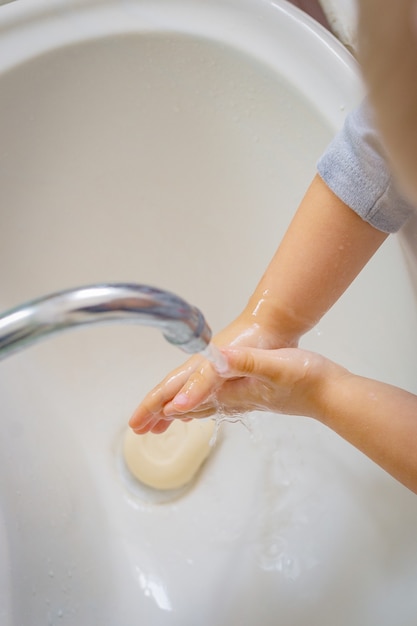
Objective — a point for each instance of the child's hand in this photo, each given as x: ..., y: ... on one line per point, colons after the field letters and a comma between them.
x: 287, y: 380
x: 185, y: 392
x: 197, y: 373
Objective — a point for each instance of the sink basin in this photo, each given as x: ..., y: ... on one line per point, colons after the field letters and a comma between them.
x: 169, y: 142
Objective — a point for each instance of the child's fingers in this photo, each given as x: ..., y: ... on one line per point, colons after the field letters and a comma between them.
x: 159, y: 423
x: 241, y: 362
x: 161, y: 426
x: 199, y: 386
x: 262, y: 364
x: 146, y: 422
x: 155, y: 400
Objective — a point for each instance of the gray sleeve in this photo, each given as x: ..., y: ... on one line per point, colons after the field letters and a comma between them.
x: 355, y: 169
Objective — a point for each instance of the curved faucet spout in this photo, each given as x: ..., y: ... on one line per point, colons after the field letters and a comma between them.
x: 181, y: 323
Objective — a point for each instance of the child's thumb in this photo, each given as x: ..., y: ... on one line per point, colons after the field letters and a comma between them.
x: 243, y: 362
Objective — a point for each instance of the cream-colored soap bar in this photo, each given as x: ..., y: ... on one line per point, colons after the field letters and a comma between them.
x: 169, y: 460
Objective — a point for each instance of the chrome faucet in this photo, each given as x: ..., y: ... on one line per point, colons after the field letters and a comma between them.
x: 182, y: 324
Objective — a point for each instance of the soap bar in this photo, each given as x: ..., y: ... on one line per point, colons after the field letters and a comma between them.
x: 171, y: 459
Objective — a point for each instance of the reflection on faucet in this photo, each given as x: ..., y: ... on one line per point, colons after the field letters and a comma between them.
x: 181, y: 324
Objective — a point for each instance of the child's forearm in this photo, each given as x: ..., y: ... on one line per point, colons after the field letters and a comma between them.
x: 324, y: 249
x: 378, y: 419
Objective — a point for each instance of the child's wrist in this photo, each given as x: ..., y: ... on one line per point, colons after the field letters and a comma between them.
x: 281, y: 324
x: 331, y: 393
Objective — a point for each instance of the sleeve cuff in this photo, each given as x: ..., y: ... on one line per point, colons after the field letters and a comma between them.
x: 355, y: 169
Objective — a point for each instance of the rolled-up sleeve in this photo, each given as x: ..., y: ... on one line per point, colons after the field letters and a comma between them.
x: 355, y: 169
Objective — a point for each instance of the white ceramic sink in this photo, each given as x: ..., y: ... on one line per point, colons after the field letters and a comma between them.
x: 169, y: 142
